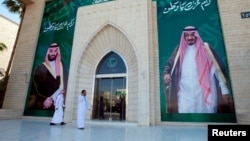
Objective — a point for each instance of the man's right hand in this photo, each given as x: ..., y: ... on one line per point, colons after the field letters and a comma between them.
x: 47, y: 103
x: 167, y: 79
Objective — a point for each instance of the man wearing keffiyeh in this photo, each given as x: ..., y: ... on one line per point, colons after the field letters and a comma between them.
x: 191, y: 75
x: 49, y: 80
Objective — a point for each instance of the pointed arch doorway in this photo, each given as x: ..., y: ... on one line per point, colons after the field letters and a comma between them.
x: 110, y: 89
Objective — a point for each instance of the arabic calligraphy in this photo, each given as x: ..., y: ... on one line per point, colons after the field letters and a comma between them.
x: 186, y: 6
x: 59, y: 26
x: 99, y: 1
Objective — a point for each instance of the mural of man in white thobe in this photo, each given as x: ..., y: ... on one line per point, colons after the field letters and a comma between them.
x: 83, y: 106
x: 193, y: 75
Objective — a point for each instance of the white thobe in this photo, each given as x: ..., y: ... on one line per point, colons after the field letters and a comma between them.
x: 59, y: 105
x: 190, y: 95
x: 83, y: 106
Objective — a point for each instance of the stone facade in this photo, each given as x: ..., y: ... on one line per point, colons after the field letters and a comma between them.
x: 113, y: 31
x: 236, y: 36
x: 8, y: 30
x: 109, y: 25
x: 15, y: 95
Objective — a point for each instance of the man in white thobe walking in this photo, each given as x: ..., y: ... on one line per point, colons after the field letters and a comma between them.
x: 59, y: 110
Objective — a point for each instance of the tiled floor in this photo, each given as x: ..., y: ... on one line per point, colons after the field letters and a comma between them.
x: 40, y: 130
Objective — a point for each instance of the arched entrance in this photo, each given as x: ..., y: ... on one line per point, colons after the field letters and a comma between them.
x: 84, y: 70
x: 110, y: 89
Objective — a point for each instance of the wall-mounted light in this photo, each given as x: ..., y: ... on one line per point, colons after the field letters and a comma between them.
x: 245, y: 14
x: 26, y: 77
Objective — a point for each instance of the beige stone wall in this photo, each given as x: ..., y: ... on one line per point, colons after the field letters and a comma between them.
x: 122, y: 27
x: 236, y: 33
x: 129, y: 29
x: 8, y: 32
x: 16, y: 93
x: 154, y: 80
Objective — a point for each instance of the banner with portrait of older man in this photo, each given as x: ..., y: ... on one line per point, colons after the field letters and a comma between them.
x: 194, y: 76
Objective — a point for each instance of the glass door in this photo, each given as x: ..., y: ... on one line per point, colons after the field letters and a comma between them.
x: 109, y: 98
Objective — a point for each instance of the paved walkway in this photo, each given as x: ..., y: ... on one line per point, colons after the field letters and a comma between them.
x: 40, y: 130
